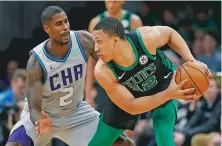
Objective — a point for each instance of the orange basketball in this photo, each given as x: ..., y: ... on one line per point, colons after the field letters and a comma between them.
x: 198, y: 77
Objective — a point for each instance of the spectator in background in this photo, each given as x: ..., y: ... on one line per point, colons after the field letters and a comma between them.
x: 146, y: 14
x: 5, y: 81
x: 11, y: 103
x: 16, y: 93
x: 210, y: 56
x: 202, y: 23
x: 196, y: 48
x: 143, y: 133
x: 203, y: 139
x: 216, y: 140
x: 206, y: 119
x: 184, y: 18
x: 186, y: 109
x: 169, y: 19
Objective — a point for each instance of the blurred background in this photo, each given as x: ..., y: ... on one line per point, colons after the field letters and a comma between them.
x: 199, y: 23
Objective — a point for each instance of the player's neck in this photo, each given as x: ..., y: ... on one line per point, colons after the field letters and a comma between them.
x: 118, y: 15
x: 124, y: 56
x: 57, y: 50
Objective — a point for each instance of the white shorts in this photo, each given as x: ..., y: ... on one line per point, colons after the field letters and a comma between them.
x: 76, y: 129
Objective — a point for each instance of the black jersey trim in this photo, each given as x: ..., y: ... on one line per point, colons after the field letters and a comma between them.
x: 112, y: 69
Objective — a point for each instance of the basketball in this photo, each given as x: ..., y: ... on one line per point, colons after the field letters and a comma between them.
x: 198, y: 77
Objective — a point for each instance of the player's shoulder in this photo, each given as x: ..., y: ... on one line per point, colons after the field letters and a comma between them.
x: 38, y: 48
x: 135, y: 20
x: 100, y: 68
x: 148, y: 33
x: 83, y: 34
x: 95, y: 19
x: 34, y: 68
x: 93, y: 23
x: 86, y: 40
x: 135, y: 17
x: 102, y: 73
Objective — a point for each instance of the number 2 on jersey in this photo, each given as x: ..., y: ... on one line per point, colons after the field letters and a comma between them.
x: 63, y: 101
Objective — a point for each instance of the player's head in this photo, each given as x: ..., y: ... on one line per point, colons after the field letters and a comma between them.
x: 113, y: 6
x: 56, y: 24
x: 107, y: 35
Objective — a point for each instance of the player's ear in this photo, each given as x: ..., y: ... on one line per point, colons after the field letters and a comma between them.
x: 46, y: 29
x: 115, y: 40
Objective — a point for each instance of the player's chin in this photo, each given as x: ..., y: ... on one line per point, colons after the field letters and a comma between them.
x: 105, y: 59
x: 65, y: 41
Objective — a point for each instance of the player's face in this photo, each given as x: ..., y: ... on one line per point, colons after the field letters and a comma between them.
x: 113, y: 7
x: 104, y: 45
x: 58, y: 28
x: 212, y: 91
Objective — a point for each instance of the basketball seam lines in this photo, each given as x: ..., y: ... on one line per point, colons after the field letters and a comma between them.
x: 201, y: 72
x: 192, y: 81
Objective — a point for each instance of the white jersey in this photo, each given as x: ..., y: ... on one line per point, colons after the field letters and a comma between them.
x: 64, y: 78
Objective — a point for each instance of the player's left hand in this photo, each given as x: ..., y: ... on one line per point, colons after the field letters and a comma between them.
x: 43, y: 125
x: 204, y: 66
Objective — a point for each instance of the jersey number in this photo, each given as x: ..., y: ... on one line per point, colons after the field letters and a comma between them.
x: 63, y: 101
x: 150, y: 83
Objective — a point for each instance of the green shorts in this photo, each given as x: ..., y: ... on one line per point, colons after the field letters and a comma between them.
x: 164, y: 118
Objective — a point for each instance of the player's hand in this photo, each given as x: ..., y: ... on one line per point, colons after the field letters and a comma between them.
x: 175, y: 91
x: 43, y: 125
x: 209, y: 72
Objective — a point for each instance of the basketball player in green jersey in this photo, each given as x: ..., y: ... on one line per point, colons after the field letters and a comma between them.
x: 138, y: 78
x: 115, y: 9
x: 130, y: 22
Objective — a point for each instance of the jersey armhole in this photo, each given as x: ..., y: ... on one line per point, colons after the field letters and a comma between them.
x: 112, y: 69
x: 152, y: 57
x: 42, y: 65
x: 166, y: 61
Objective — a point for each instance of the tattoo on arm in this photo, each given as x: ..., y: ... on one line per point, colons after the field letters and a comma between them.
x: 88, y: 44
x: 34, y: 76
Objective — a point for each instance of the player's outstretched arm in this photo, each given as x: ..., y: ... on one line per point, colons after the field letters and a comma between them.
x: 34, y: 77
x: 162, y: 35
x: 158, y: 36
x: 123, y: 98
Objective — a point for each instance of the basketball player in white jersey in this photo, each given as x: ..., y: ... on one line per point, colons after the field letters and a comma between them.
x: 56, y: 73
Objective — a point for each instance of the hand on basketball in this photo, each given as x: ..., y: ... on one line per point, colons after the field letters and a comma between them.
x: 43, y: 125
x: 175, y: 91
x: 203, y: 65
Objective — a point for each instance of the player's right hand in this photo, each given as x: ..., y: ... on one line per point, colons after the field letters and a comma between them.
x: 175, y: 91
x: 44, y: 125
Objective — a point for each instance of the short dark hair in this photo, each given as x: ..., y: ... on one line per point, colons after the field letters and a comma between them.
x: 111, y: 26
x: 49, y: 12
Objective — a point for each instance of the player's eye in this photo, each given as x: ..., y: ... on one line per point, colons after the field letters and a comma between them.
x: 99, y: 42
x: 66, y: 21
x: 58, y: 23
